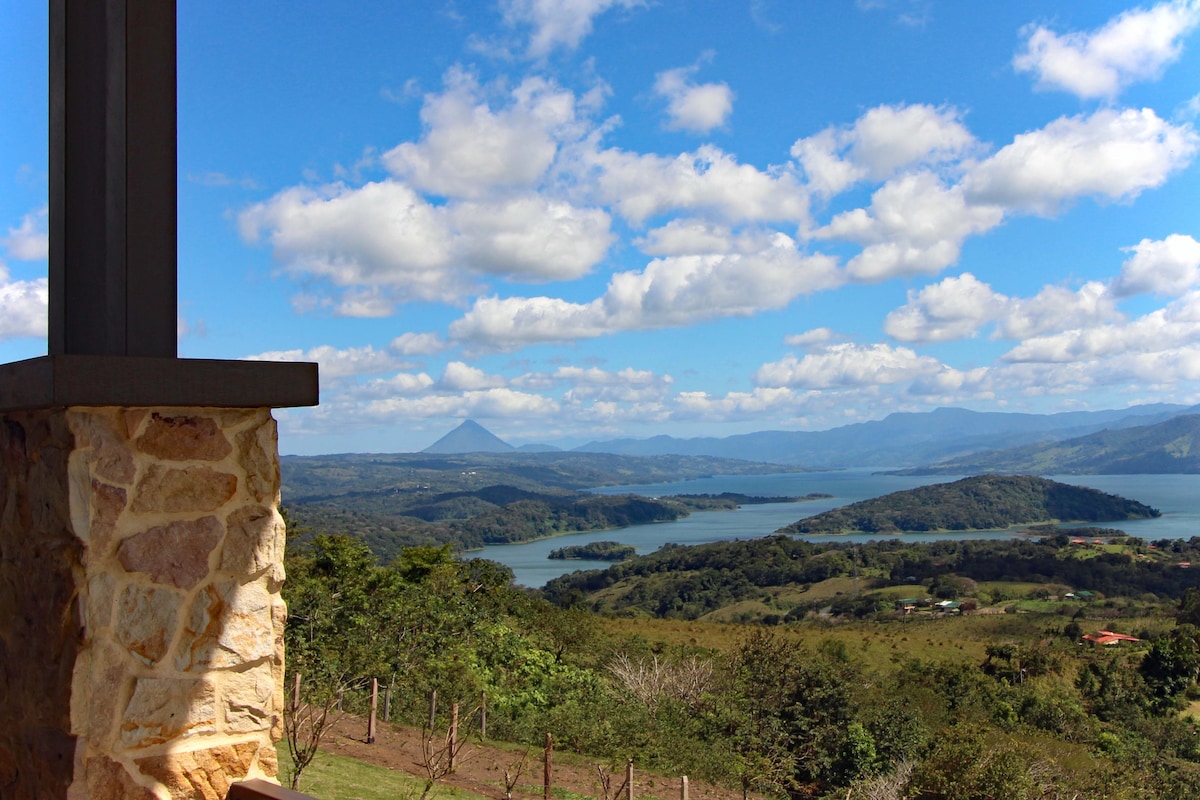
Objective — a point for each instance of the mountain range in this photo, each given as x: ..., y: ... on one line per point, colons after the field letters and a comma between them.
x: 1142, y: 439
x: 1172, y: 446
x: 901, y: 439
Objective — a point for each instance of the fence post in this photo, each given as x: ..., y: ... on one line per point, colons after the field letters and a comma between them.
x: 453, y: 733
x: 339, y: 700
x: 374, y: 708
x: 483, y: 715
x: 432, y: 708
x: 547, y: 767
x: 683, y: 789
x: 629, y: 779
x: 387, y: 700
x: 296, y: 692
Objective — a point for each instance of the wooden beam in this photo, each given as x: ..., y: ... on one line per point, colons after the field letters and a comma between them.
x: 113, y: 194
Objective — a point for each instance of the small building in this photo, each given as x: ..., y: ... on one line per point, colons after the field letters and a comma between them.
x: 1108, y: 638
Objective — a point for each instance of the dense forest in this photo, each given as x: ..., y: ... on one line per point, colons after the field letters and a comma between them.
x: 984, y: 502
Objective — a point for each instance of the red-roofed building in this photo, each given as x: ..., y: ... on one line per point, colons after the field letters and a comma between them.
x: 1109, y: 638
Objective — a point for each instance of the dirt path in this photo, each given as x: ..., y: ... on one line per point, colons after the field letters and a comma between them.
x: 481, y: 767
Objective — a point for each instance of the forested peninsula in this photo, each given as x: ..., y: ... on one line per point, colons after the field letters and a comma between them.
x: 984, y: 502
x: 596, y: 551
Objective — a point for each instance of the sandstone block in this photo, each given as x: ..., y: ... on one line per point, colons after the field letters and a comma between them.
x: 201, y: 774
x: 258, y: 453
x: 254, y: 540
x: 108, y: 685
x: 268, y: 761
x: 146, y: 620
x: 111, y: 458
x: 167, y: 709
x: 133, y: 418
x: 183, y: 438
x: 107, y: 503
x: 99, y: 601
x: 108, y: 780
x: 248, y: 700
x: 228, y: 625
x: 189, y: 489
x: 176, y: 553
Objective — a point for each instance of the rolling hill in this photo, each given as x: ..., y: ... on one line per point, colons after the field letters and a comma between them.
x: 984, y: 502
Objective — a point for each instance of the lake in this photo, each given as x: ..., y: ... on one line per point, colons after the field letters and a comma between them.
x: 1177, y: 496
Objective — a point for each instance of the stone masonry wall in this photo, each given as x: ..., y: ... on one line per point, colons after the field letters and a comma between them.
x: 144, y: 586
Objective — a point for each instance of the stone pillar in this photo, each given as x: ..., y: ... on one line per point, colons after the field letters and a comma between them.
x: 141, y: 625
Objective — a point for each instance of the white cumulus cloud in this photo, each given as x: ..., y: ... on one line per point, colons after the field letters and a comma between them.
x: 669, y: 292
x: 848, y: 365
x: 881, y: 142
x: 708, y: 181
x: 694, y: 107
x: 1177, y: 325
x: 468, y: 149
x: 531, y: 238
x: 914, y: 225
x: 24, y: 306
x: 959, y: 307
x: 558, y: 23
x: 1168, y: 267
x: 461, y: 377
x: 417, y: 344
x: 1111, y: 155
x: 1057, y: 308
x: 392, y: 245
x: 955, y: 308
x: 382, y: 233
x: 337, y: 363
x: 29, y: 241
x: 1134, y: 46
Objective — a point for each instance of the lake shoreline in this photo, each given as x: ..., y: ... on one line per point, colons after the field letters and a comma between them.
x: 1177, y: 496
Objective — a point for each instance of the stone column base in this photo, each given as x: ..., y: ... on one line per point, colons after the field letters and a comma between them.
x: 141, y: 625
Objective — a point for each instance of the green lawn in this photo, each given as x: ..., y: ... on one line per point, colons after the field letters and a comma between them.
x: 332, y: 777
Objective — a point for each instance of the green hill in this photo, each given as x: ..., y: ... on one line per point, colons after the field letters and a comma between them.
x: 1171, y: 447
x: 983, y: 502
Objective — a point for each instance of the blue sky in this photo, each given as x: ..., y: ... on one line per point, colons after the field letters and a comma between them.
x: 582, y: 219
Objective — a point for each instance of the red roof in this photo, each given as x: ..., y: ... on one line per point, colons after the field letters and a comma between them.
x: 1109, y: 637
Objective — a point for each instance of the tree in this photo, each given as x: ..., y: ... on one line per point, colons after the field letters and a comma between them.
x: 1189, y: 607
x: 1170, y: 667
x: 330, y: 636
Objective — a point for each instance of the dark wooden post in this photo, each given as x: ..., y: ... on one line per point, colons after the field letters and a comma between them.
x: 296, y: 692
x: 547, y: 767
x: 453, y: 737
x: 483, y: 715
x: 374, y: 708
x: 113, y: 206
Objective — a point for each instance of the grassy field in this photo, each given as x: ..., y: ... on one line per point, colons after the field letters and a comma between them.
x: 333, y: 777
x: 920, y: 636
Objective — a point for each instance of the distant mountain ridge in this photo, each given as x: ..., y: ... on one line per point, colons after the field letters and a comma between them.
x: 1169, y: 447
x: 900, y: 439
